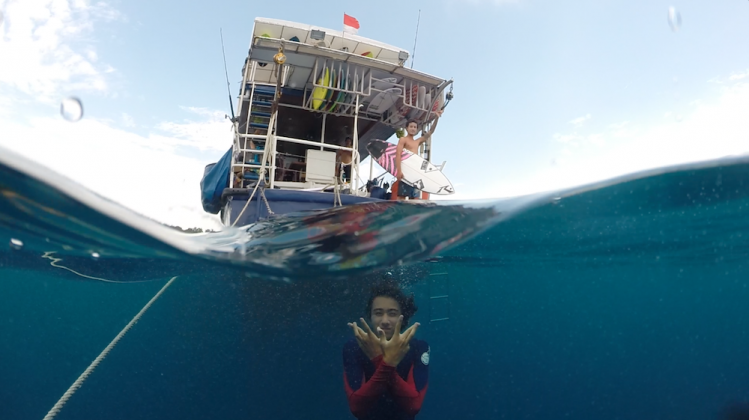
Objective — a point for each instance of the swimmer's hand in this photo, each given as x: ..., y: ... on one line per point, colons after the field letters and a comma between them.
x: 367, y: 340
x: 395, y: 349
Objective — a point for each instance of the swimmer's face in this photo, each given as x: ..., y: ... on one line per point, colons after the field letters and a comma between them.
x: 385, y: 313
x: 412, y: 128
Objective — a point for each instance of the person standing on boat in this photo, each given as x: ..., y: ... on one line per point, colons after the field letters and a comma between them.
x: 401, y: 189
x: 386, y: 372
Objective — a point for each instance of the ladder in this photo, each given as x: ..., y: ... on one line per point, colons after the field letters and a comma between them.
x: 439, y: 289
x: 253, y: 133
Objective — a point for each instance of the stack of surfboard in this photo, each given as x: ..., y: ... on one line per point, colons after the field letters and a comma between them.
x: 387, y: 98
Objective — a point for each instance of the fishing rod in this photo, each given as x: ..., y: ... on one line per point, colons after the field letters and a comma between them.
x: 228, y: 86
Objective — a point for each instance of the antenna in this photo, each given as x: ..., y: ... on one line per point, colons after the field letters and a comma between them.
x: 416, y: 38
x: 228, y: 87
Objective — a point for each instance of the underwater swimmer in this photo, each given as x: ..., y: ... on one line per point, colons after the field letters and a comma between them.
x: 386, y: 372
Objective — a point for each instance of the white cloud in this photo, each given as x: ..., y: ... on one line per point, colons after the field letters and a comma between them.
x: 152, y: 174
x: 577, y: 122
x: 571, y: 139
x: 139, y: 172
x: 128, y: 120
x: 207, y: 134
x: 711, y: 130
x: 40, y: 37
x: 734, y: 77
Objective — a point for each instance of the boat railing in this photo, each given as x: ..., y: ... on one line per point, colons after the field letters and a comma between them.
x: 243, y: 151
x: 322, y: 146
x: 362, y: 76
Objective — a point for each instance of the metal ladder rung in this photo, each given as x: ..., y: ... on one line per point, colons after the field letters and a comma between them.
x: 444, y: 278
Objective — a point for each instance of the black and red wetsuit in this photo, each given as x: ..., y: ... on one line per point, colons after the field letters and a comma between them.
x: 378, y: 391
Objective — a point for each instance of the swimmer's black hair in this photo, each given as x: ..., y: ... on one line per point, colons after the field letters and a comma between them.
x: 391, y: 289
x: 412, y: 121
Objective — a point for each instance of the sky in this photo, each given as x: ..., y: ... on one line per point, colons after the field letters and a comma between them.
x: 548, y: 94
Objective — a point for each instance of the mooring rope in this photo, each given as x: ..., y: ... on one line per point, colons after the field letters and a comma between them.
x: 79, y: 382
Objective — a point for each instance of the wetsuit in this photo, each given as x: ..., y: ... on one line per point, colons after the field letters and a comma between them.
x: 378, y: 391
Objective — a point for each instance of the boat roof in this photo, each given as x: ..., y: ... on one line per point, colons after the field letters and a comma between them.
x: 270, y: 34
x: 284, y: 29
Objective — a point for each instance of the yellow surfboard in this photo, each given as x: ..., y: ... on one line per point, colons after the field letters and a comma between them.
x: 319, y: 93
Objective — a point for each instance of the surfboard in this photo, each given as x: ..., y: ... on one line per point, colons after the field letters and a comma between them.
x: 346, y: 97
x: 418, y: 103
x: 417, y: 172
x: 385, y: 83
x: 384, y: 100
x: 329, y: 92
x: 318, y: 94
x: 408, y: 99
x: 420, y: 97
x: 341, y: 95
x: 378, y: 88
x: 332, y: 94
x: 427, y: 104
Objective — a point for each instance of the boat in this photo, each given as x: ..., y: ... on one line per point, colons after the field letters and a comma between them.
x: 304, y: 90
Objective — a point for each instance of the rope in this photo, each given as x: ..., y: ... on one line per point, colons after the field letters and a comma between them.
x: 257, y: 184
x: 79, y: 382
x: 336, y: 193
x: 265, y: 200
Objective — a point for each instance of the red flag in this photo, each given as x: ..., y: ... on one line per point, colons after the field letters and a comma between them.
x: 350, y: 24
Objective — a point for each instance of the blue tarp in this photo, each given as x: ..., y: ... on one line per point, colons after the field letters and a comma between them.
x: 215, y: 179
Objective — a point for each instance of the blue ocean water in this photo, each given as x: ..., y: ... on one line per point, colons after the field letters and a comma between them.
x: 620, y: 300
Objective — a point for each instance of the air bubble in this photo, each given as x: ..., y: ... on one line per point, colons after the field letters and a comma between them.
x: 71, y: 109
x: 674, y: 19
x: 16, y: 244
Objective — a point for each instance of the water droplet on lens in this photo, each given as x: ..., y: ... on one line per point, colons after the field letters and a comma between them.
x: 674, y: 19
x: 95, y: 255
x: 71, y: 109
x: 16, y: 244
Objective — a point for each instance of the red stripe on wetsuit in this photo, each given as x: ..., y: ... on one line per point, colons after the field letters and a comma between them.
x: 385, y: 378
